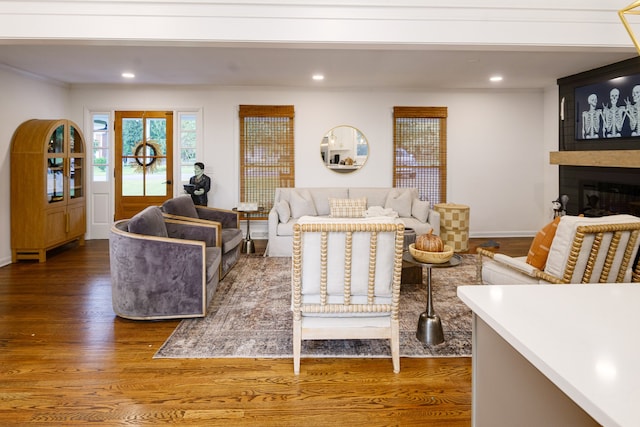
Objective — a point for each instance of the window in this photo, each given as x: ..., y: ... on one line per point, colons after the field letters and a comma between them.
x: 187, y: 145
x: 100, y: 147
x: 420, y: 146
x: 266, y: 152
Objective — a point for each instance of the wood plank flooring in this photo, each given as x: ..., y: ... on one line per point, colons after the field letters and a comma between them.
x: 66, y: 359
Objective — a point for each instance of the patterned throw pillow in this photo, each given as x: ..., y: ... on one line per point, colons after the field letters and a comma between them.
x: 539, y: 250
x: 347, y: 208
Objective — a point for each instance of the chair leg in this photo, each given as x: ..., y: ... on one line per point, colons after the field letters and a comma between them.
x: 395, y: 346
x: 297, y: 344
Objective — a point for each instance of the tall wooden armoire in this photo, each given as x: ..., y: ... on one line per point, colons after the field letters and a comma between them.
x: 48, y: 207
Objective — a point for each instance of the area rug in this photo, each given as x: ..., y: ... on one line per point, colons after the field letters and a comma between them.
x: 250, y: 317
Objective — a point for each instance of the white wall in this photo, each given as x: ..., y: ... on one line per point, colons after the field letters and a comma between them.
x: 497, y: 155
x: 23, y: 98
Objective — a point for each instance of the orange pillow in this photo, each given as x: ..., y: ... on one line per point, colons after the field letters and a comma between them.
x: 539, y: 250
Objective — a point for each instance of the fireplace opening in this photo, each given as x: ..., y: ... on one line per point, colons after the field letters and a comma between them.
x: 600, y: 191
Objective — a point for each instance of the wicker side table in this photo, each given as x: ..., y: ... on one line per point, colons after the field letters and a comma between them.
x: 454, y: 225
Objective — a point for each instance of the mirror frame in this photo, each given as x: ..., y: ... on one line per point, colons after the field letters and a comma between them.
x: 348, y: 143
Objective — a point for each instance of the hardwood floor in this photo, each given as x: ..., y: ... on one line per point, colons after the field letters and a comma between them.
x: 66, y: 359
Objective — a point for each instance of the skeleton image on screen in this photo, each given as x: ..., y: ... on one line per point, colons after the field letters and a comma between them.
x: 613, y: 115
x: 592, y: 119
x: 633, y: 111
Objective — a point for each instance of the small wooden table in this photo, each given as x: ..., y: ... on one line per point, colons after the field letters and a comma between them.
x: 429, y: 324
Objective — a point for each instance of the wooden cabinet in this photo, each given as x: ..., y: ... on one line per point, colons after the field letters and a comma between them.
x: 47, y: 187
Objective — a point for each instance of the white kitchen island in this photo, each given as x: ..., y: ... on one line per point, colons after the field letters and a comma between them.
x: 555, y: 355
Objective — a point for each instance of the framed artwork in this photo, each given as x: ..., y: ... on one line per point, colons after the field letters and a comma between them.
x: 608, y: 109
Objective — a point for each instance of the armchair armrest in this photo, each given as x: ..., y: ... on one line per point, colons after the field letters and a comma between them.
x: 507, y: 261
x: 434, y: 220
x: 228, y: 218
x: 514, y: 264
x: 273, y: 221
x: 206, y: 231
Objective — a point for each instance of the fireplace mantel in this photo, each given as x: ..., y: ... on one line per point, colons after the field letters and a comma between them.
x: 597, y: 158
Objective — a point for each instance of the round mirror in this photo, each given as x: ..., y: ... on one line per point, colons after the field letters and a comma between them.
x: 344, y: 149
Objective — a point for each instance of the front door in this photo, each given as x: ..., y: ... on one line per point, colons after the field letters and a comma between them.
x: 143, y: 160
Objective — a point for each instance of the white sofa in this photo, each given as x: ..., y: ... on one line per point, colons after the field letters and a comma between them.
x: 292, y: 203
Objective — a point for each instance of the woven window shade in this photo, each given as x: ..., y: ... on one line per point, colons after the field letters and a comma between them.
x: 266, y: 152
x: 420, y: 147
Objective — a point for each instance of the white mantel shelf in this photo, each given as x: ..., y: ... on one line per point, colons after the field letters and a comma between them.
x: 598, y: 158
x: 582, y: 338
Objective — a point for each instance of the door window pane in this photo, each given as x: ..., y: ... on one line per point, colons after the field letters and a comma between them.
x: 100, y: 148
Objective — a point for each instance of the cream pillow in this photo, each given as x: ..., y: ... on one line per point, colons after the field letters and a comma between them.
x: 301, y: 204
x: 347, y: 208
x: 400, y: 201
x: 420, y: 210
x: 284, y: 212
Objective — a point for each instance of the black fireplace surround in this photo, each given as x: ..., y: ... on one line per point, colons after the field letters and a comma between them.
x: 596, y: 190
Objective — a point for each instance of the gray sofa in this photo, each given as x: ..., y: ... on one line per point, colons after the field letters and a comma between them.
x: 162, y: 268
x: 292, y: 203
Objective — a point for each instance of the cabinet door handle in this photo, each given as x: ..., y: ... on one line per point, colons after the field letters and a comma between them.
x: 168, y: 182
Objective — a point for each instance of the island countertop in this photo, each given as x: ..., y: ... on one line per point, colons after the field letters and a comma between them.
x: 584, y: 338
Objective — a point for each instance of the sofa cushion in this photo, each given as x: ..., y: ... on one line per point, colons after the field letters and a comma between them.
x: 539, y: 250
x: 420, y: 209
x: 284, y: 211
x: 418, y: 226
x: 400, y: 201
x: 374, y: 196
x: 301, y: 204
x: 347, y: 208
x: 182, y: 206
x: 149, y: 222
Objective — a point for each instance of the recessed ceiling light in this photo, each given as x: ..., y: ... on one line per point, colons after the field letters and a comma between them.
x: 127, y: 75
x: 318, y: 77
x: 495, y: 78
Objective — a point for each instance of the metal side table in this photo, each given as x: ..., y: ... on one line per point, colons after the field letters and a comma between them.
x: 429, y: 324
x: 247, y: 245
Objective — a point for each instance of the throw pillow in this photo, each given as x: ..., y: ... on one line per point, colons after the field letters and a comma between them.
x: 400, y: 201
x: 539, y: 250
x: 301, y: 204
x: 347, y: 208
x: 182, y: 206
x: 420, y: 210
x: 284, y: 212
x: 149, y: 222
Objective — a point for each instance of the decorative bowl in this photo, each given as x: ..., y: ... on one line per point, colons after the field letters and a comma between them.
x: 431, y: 257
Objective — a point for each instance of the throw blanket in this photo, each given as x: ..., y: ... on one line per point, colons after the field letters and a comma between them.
x: 380, y: 211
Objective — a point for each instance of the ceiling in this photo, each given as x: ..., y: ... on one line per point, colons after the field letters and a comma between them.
x: 345, y: 67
